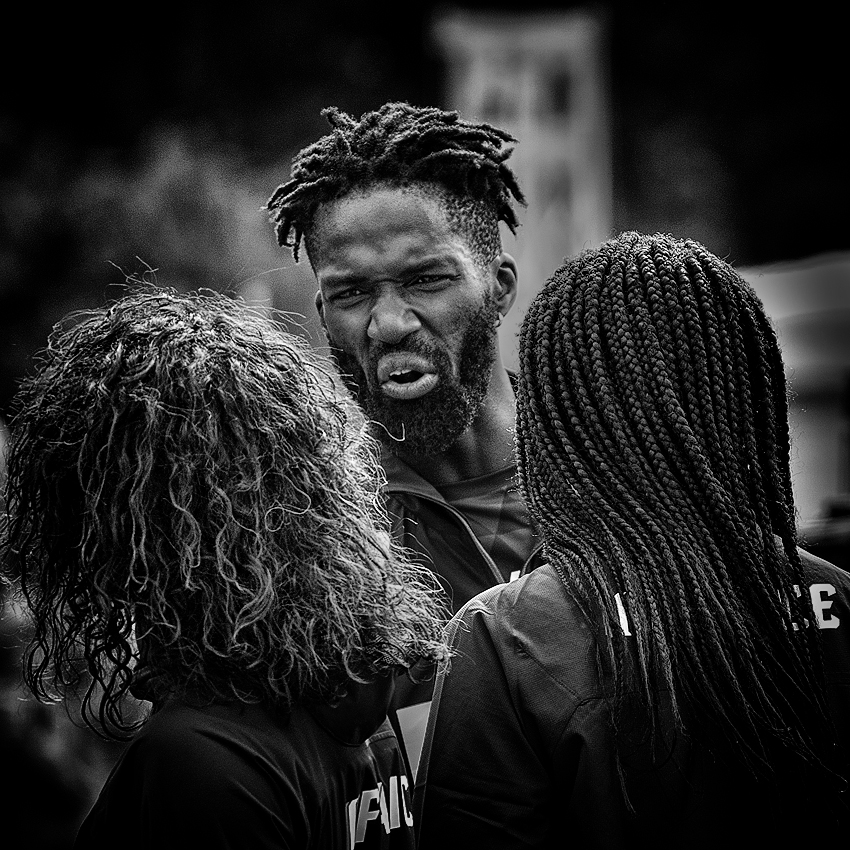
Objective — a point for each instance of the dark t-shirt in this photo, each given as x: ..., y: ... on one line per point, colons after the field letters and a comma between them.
x: 228, y: 776
x: 496, y: 513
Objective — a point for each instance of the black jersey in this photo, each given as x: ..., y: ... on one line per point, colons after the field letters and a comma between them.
x: 228, y: 776
x: 520, y: 750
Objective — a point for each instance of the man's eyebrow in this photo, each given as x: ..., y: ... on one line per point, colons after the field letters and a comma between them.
x: 337, y: 280
x: 431, y: 261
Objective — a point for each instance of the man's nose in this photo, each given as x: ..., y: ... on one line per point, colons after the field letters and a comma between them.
x: 391, y: 319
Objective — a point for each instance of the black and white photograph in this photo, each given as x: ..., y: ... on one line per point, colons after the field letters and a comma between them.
x: 424, y: 425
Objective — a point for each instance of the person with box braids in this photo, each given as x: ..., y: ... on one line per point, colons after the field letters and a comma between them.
x: 678, y: 674
x: 399, y: 211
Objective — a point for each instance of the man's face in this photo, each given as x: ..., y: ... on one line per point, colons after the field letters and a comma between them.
x: 411, y: 315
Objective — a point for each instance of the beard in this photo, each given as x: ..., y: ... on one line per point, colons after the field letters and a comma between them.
x: 434, y: 422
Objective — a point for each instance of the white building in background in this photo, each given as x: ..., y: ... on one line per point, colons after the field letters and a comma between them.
x: 809, y: 303
x: 543, y: 77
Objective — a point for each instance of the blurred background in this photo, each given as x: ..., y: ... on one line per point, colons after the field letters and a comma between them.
x: 146, y: 145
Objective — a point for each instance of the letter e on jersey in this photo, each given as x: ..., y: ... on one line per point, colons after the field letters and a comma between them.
x: 826, y: 620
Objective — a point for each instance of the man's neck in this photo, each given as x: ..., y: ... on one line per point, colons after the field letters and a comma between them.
x: 486, y: 446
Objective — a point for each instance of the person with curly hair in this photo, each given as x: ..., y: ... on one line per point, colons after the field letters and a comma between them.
x: 678, y: 674
x: 194, y: 517
x: 399, y: 211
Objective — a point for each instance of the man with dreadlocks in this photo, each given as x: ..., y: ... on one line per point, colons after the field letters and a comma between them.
x: 399, y: 212
x: 678, y: 674
x: 189, y: 496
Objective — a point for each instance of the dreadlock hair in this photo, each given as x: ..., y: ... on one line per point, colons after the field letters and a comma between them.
x: 187, y: 482
x: 401, y: 145
x: 653, y: 451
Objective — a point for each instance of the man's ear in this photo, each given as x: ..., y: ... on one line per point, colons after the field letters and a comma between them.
x: 506, y: 273
x: 320, y: 308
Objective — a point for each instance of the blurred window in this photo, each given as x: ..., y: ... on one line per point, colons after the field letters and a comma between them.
x: 555, y: 93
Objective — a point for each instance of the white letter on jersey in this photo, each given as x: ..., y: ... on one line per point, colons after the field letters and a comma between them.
x: 352, y: 821
x: 382, y: 803
x: 366, y: 813
x: 787, y: 603
x: 394, y: 818
x: 825, y: 619
x: 408, y: 816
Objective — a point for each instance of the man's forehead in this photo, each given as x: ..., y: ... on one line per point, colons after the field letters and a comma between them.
x: 419, y: 200
x: 375, y: 219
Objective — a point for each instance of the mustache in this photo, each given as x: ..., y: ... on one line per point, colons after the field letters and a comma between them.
x: 409, y: 346
x: 432, y: 352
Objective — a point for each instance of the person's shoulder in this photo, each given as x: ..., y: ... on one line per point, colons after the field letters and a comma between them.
x: 183, y: 739
x: 180, y: 718
x: 534, y: 628
x: 527, y: 592
x: 819, y: 569
x: 179, y: 750
x: 530, y: 610
x: 217, y: 775
x: 173, y: 727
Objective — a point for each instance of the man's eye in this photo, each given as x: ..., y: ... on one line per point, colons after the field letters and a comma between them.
x: 431, y: 280
x: 351, y: 294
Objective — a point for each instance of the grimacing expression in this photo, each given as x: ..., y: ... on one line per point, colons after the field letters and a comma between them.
x: 410, y: 313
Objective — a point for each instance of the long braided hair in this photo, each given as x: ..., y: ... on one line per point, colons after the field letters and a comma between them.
x: 187, y: 483
x: 404, y: 145
x: 653, y: 451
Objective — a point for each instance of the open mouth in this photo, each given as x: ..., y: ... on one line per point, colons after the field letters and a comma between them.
x: 406, y: 376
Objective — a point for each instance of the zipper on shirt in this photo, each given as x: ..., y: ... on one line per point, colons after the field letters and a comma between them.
x: 466, y: 526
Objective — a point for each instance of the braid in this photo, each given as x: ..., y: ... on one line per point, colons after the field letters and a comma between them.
x: 403, y: 145
x: 653, y: 450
